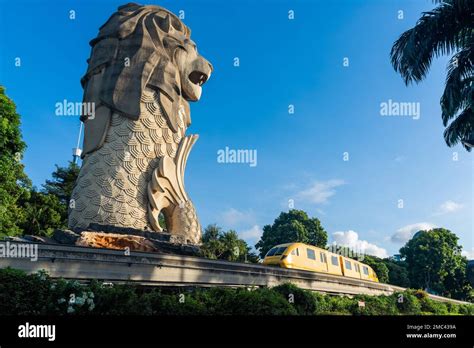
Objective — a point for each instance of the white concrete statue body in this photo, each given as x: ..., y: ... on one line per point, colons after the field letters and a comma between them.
x: 142, y: 72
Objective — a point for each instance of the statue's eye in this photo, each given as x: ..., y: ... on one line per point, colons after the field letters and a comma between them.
x: 177, y: 53
x: 182, y: 47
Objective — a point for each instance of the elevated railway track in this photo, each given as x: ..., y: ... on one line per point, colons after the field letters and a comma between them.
x: 155, y: 269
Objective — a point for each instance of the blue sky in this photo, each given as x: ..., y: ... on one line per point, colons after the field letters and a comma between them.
x: 300, y: 155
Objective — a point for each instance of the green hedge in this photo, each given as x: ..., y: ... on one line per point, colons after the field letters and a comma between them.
x: 22, y: 294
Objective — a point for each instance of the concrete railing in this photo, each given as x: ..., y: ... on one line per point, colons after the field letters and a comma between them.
x: 153, y: 269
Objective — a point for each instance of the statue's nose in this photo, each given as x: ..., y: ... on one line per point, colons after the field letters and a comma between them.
x: 204, y: 66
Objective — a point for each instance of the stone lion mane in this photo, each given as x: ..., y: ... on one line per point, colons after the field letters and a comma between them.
x: 142, y: 72
x: 129, y: 48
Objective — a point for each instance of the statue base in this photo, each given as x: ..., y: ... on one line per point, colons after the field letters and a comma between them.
x: 121, y: 238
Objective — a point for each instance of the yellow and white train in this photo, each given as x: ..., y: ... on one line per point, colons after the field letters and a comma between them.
x: 311, y: 258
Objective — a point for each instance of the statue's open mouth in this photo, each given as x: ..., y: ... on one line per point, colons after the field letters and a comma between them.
x: 198, y: 78
x: 200, y: 73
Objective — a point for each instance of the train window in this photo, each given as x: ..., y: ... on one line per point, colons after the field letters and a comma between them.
x: 311, y: 254
x: 322, y: 257
x: 366, y: 270
x: 280, y: 251
x: 295, y: 252
x: 334, y: 260
x: 357, y: 268
x: 348, y: 265
x: 272, y: 252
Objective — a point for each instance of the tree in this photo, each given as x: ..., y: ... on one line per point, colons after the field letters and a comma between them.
x: 397, y: 273
x: 447, y: 29
x: 435, y: 263
x: 290, y: 227
x: 61, y: 186
x: 470, y: 272
x: 14, y: 184
x: 456, y: 283
x: 221, y: 245
x: 64, y: 179
x: 211, y: 233
x: 42, y: 213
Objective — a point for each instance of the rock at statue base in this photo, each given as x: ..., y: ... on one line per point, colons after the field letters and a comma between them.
x: 65, y: 236
x: 115, y: 241
x: 121, y: 238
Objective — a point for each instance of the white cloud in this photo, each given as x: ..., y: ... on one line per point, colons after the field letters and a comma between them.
x: 405, y: 233
x: 351, y: 239
x: 449, y: 207
x: 468, y: 253
x: 255, y: 232
x: 320, y: 191
x: 233, y: 217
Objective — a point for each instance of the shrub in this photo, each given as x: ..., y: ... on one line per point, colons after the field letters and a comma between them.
x: 70, y: 297
x: 341, y: 304
x: 117, y: 300
x: 439, y: 308
x: 419, y: 294
x: 22, y: 294
x: 452, y: 308
x: 303, y: 301
x: 214, y: 299
x: 322, y: 305
x: 178, y: 303
x: 262, y: 301
x: 407, y: 302
x: 466, y: 309
x: 38, y: 294
x: 375, y: 305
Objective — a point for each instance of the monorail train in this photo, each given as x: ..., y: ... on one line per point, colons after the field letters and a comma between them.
x: 311, y: 258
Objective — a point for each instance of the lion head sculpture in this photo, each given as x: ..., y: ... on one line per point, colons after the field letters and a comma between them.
x: 143, y: 70
x: 139, y: 47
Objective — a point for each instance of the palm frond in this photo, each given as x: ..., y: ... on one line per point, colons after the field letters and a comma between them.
x: 443, y: 30
x: 459, y: 87
x: 461, y: 128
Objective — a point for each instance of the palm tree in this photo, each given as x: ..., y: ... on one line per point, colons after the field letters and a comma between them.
x: 447, y: 29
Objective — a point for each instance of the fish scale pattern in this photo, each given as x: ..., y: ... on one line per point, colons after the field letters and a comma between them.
x: 111, y: 188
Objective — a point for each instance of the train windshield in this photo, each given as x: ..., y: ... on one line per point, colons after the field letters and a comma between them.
x: 276, y: 251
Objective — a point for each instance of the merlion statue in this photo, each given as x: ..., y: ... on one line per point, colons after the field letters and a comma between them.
x: 143, y: 71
